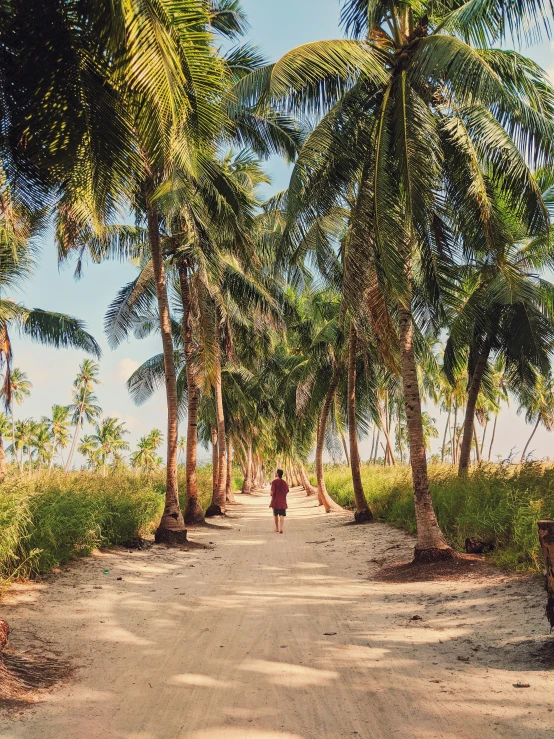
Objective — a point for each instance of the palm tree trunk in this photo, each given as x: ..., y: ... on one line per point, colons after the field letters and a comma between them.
x: 477, y: 447
x: 344, y: 446
x: 172, y: 525
x: 431, y: 543
x: 523, y: 456
x: 193, y: 511
x: 215, y: 460
x: 363, y: 513
x: 447, y: 426
x: 372, y: 444
x: 454, y: 437
x: 472, y: 394
x: 493, y: 435
x: 75, y: 440
x: 247, y: 484
x: 377, y: 445
x: 305, y: 480
x: 229, y: 495
x: 484, y: 435
x: 322, y: 494
x: 217, y: 507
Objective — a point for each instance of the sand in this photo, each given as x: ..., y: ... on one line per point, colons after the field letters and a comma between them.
x: 264, y: 636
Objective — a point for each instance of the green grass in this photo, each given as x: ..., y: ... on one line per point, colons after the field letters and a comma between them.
x: 494, y: 504
x: 49, y: 519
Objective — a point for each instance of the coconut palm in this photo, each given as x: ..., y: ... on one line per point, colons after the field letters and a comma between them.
x: 17, y: 388
x: 145, y: 457
x: 59, y: 428
x: 538, y: 403
x: 106, y: 441
x: 42, y: 444
x: 506, y: 310
x: 410, y: 107
x: 84, y: 406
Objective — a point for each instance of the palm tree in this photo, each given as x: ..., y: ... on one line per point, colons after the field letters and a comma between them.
x: 390, y: 126
x: 145, y: 457
x: 363, y: 513
x: 538, y: 402
x: 42, y: 443
x: 505, y: 311
x: 59, y: 428
x: 182, y: 445
x: 500, y: 391
x: 84, y: 401
x: 17, y: 388
x: 107, y: 441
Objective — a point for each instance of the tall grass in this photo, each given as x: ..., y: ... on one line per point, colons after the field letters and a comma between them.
x: 495, y: 503
x: 48, y: 519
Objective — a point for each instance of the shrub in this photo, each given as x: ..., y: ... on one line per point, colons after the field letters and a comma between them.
x: 48, y: 519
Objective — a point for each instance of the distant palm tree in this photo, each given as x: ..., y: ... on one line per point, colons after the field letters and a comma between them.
x: 538, y: 403
x: 146, y: 457
x: 84, y: 401
x: 42, y: 443
x: 107, y: 440
x: 17, y: 388
x: 182, y: 445
x: 59, y: 428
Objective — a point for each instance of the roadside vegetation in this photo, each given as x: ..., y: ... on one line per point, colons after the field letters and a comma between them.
x: 495, y: 504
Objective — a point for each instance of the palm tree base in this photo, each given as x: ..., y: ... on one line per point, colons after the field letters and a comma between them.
x: 193, y: 513
x: 434, y: 554
x: 172, y: 537
x: 214, y: 510
x: 365, y: 516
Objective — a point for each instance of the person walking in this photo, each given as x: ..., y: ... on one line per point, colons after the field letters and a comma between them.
x: 279, y: 491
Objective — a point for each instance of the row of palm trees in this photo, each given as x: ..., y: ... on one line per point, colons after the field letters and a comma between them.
x: 418, y: 207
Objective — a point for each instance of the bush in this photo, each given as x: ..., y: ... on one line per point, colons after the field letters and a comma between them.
x: 494, y: 503
x: 48, y: 519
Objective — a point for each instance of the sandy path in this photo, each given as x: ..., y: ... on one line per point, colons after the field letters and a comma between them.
x: 229, y: 643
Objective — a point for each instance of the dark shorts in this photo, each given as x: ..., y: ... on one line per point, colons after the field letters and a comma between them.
x: 279, y: 512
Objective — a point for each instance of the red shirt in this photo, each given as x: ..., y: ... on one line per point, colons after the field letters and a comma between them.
x: 279, y: 490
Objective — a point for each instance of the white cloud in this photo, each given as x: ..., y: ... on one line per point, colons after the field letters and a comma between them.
x: 125, y: 368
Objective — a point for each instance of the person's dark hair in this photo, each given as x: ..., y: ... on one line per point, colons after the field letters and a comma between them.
x: 280, y: 473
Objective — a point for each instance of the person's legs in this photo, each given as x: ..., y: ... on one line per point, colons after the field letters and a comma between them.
x: 282, y: 522
x: 276, y: 524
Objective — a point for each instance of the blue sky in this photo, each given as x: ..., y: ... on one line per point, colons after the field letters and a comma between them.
x: 276, y: 26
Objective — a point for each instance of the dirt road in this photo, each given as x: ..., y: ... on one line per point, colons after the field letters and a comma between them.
x: 282, y: 637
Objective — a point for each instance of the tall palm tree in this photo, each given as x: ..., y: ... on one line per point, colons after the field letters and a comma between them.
x: 506, y: 310
x: 84, y: 406
x: 390, y: 124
